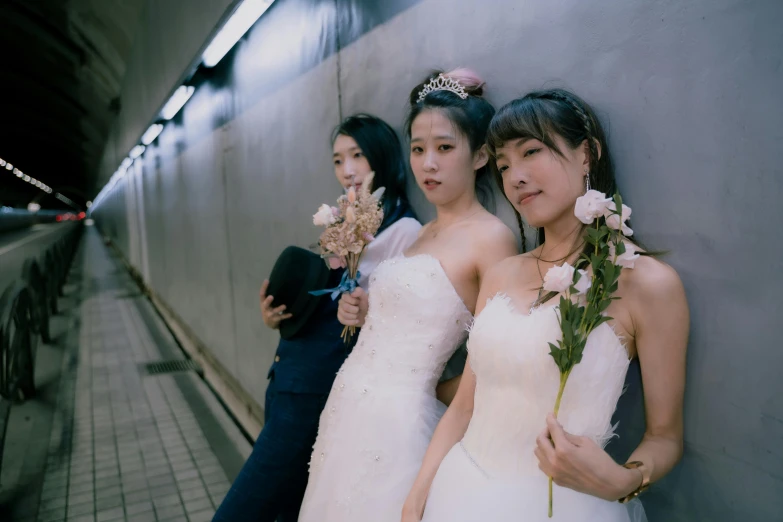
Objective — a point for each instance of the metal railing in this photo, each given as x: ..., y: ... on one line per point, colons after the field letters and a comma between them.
x: 26, y: 307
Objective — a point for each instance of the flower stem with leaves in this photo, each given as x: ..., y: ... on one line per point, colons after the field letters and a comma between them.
x: 582, y: 306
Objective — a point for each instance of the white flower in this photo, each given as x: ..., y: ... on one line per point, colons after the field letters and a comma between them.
x: 324, y: 217
x: 558, y: 278
x: 584, y: 283
x: 614, y: 221
x: 627, y: 259
x: 592, y: 205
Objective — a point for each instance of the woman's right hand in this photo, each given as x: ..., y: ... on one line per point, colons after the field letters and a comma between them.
x: 352, y: 309
x: 272, y: 316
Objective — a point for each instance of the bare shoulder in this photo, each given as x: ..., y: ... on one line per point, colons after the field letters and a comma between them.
x: 497, y: 276
x: 652, y: 280
x: 488, y: 231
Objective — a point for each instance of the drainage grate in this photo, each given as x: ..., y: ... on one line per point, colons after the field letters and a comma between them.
x: 181, y: 365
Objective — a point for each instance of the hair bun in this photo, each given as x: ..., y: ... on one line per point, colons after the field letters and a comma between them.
x: 469, y: 79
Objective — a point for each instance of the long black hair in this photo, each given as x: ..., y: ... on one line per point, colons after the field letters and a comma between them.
x: 381, y: 146
x: 542, y: 115
x: 471, y: 116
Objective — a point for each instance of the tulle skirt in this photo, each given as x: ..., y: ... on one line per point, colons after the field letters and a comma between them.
x: 369, y: 449
x: 463, y: 492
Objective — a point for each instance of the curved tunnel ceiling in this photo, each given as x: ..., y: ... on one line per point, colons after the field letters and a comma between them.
x: 64, y: 62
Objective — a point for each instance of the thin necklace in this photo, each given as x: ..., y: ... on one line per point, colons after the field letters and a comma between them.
x: 536, y: 303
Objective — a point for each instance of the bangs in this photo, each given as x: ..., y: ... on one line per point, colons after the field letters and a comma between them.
x: 525, y: 118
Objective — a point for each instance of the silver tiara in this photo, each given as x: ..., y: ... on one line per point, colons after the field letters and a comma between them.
x: 443, y: 83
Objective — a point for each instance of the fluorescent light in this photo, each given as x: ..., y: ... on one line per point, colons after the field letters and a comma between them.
x: 33, y: 207
x: 9, y: 166
x: 2, y: 162
x: 26, y: 177
x: 89, y: 204
x: 137, y: 151
x: 236, y: 26
x: 152, y: 133
x: 127, y: 162
x: 177, y: 101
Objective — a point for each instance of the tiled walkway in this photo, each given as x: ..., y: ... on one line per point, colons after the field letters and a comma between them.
x: 127, y: 445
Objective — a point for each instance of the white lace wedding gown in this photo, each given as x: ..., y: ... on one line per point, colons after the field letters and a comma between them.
x: 492, y: 474
x: 382, y: 410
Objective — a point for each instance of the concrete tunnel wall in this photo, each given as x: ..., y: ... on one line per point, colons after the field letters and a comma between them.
x: 687, y: 90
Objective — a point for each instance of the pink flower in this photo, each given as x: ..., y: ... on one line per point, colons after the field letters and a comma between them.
x: 584, y: 283
x: 627, y: 259
x: 592, y: 205
x: 352, y: 194
x: 368, y: 237
x: 350, y: 214
x: 324, y: 217
x: 559, y: 278
x: 616, y: 222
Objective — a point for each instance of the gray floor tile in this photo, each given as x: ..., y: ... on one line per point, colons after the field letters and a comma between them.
x: 110, y: 514
x: 192, y: 506
x: 54, y: 515
x: 79, y: 498
x: 138, y: 507
x: 168, y: 500
x: 194, y: 493
x: 202, y: 516
x: 108, y: 503
x: 170, y: 512
x: 81, y: 509
x: 82, y: 518
x: 143, y: 517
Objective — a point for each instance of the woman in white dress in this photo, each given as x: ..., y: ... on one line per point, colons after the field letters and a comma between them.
x: 492, y: 451
x: 382, y: 409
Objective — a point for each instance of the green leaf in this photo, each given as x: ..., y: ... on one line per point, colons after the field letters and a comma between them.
x: 601, y: 320
x: 595, y: 263
x: 593, y: 235
x: 618, y: 201
x: 568, y: 335
x: 619, y: 248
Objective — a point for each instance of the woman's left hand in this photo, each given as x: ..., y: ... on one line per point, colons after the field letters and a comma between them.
x: 580, y: 464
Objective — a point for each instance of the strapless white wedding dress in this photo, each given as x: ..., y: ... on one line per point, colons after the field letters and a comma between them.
x: 492, y: 474
x: 382, y: 410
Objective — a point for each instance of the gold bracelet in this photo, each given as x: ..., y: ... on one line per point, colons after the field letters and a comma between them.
x: 636, y: 464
